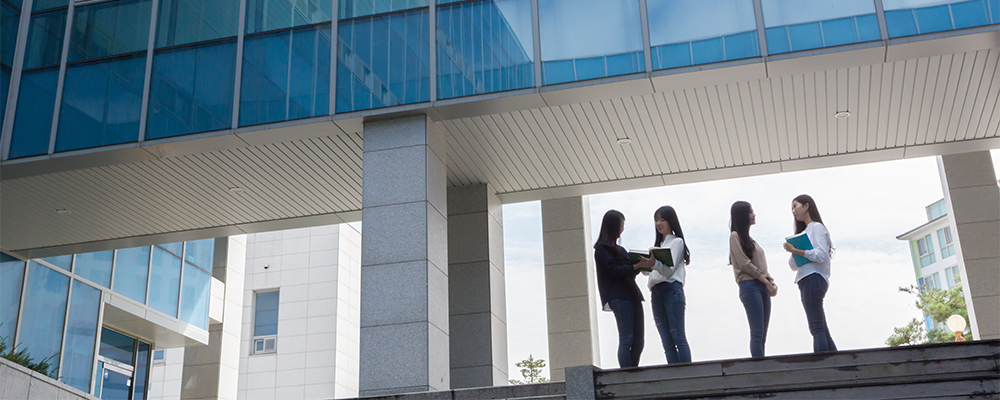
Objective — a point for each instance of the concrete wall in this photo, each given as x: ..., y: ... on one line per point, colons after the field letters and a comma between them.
x: 165, y: 378
x: 20, y: 383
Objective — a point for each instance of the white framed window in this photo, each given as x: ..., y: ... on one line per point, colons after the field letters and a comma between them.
x: 925, y: 250
x: 158, y: 357
x: 945, y: 240
x: 265, y: 322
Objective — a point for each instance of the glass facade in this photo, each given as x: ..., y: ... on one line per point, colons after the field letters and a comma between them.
x: 791, y: 27
x: 10, y: 14
x: 915, y: 17
x: 265, y: 317
x: 271, y: 15
x: 165, y: 282
x: 95, y: 266
x: 37, y: 94
x: 588, y: 39
x: 11, y: 278
x: 383, y: 59
x: 42, y: 321
x: 484, y: 47
x: 131, y: 270
x: 701, y: 32
x: 81, y: 335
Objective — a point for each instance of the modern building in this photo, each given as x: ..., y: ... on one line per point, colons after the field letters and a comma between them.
x: 932, y: 250
x: 134, y: 123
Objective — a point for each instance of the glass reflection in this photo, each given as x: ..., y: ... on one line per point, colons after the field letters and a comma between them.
x: 195, y: 295
x: 359, y: 8
x: 269, y: 15
x: 33, y: 118
x: 192, y: 90
x: 383, y: 60
x: 95, y: 266
x: 683, y: 33
x: 588, y: 39
x: 165, y: 282
x: 131, y: 268
x: 101, y: 103
x: 265, y: 321
x: 81, y: 335
x: 108, y: 29
x: 9, y: 19
x: 915, y: 17
x: 791, y: 27
x: 44, y: 314
x: 11, y: 275
x: 484, y: 47
x: 45, y: 38
x: 63, y: 262
x: 276, y: 88
x: 191, y: 21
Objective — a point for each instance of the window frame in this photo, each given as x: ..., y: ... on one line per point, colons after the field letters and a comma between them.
x: 264, y: 339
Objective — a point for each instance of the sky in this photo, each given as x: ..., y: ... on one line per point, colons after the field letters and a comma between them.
x: 864, y: 207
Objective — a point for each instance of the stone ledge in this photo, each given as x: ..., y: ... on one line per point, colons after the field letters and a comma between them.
x: 17, y: 382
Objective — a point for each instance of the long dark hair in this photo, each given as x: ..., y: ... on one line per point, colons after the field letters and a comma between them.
x: 805, y: 199
x: 611, y: 229
x: 739, y: 222
x: 668, y: 214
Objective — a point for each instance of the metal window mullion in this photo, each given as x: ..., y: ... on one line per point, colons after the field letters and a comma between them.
x: 20, y: 306
x: 180, y: 285
x: 288, y: 74
x: 536, y: 40
x: 97, y: 344
x: 114, y: 261
x: 433, y: 49
x: 62, y: 345
x: 7, y: 129
x: 334, y: 45
x: 149, y: 274
x: 644, y: 23
x: 148, y: 77
x: 62, y: 77
x: 241, y: 33
x: 758, y: 12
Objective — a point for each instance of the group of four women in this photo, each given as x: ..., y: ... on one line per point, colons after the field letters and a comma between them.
x: 620, y: 294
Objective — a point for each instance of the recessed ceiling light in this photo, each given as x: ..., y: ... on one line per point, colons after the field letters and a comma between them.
x: 63, y: 211
x: 842, y: 114
x: 236, y: 190
x: 624, y: 141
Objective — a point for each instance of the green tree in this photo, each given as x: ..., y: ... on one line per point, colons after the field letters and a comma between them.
x: 531, y: 371
x: 937, y: 304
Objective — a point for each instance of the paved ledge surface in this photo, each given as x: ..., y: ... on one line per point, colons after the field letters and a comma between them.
x: 20, y: 383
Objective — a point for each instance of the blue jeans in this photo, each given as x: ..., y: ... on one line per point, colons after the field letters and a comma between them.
x: 812, y: 289
x: 757, y: 302
x: 631, y: 331
x: 668, y: 311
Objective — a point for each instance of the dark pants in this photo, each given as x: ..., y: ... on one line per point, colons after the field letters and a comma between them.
x: 812, y: 289
x: 757, y: 302
x: 631, y: 331
x: 668, y: 311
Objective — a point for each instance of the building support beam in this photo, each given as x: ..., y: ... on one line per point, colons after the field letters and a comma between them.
x: 212, y: 371
x: 570, y: 286
x: 970, y: 187
x: 476, y: 286
x: 404, y: 258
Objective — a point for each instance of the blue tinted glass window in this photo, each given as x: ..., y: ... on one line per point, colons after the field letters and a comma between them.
x: 199, y: 253
x: 269, y: 15
x: 683, y: 33
x: 116, y: 346
x: 383, y: 61
x: 791, y: 27
x: 191, y: 21
x: 95, y: 266
x: 108, y: 29
x: 11, y: 275
x: 63, y: 262
x: 101, y: 103
x: 286, y: 75
x: 358, y: 8
x: 40, y: 5
x: 131, y: 268
x: 141, y: 367
x: 192, y: 90
x: 44, y: 313
x: 4, y: 87
x: 914, y: 17
x: 586, y: 39
x: 81, y: 335
x: 484, y: 47
x: 195, y: 295
x: 45, y: 38
x: 33, y: 118
x: 9, y: 19
x: 173, y: 247
x: 164, y: 284
x: 265, y: 320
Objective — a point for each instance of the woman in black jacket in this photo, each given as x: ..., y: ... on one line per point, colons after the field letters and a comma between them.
x: 619, y: 293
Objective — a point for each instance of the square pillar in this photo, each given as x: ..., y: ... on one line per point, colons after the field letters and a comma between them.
x: 212, y: 371
x: 970, y: 187
x: 477, y: 298
x: 404, y: 258
x: 570, y: 285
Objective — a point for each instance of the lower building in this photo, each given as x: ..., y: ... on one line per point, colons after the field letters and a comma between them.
x: 932, y: 250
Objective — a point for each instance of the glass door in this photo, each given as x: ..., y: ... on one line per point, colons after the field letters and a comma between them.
x: 114, y: 380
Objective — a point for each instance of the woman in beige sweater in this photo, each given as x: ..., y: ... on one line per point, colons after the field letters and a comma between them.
x: 750, y: 267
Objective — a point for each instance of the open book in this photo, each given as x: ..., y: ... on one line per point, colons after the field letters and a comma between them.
x: 660, y: 253
x: 801, y: 242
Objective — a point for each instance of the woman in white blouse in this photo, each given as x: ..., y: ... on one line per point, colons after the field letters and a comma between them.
x: 813, y: 277
x: 666, y: 285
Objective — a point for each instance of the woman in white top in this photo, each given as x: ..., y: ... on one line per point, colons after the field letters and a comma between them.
x: 666, y: 285
x: 812, y: 277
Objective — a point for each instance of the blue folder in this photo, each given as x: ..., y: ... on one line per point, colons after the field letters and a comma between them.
x: 801, y: 242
